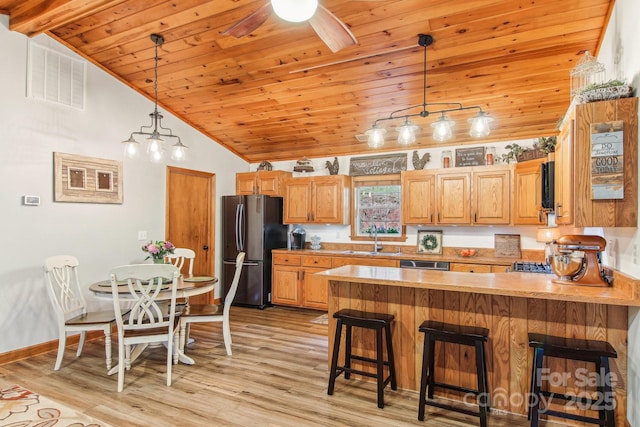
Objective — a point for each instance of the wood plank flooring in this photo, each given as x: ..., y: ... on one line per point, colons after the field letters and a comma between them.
x: 277, y: 376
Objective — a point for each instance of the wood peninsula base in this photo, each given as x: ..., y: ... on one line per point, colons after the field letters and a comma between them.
x: 510, y: 305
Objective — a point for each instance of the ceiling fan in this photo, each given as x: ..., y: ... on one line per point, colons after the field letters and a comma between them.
x: 331, y: 30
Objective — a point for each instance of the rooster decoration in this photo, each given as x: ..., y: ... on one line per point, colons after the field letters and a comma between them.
x: 419, y: 163
x: 333, y: 167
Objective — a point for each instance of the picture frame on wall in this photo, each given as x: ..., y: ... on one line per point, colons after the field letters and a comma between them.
x: 429, y: 242
x: 82, y: 179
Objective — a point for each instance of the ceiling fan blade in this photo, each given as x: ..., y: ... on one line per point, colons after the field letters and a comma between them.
x: 249, y: 23
x: 333, y: 32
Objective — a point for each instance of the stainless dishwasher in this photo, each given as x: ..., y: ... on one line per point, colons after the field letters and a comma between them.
x: 425, y: 265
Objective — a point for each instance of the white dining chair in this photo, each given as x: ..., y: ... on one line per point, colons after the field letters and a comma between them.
x: 180, y: 256
x: 70, y: 306
x: 199, y: 313
x: 152, y: 316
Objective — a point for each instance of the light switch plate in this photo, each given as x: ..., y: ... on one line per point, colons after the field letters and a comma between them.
x: 142, y: 235
x: 31, y: 200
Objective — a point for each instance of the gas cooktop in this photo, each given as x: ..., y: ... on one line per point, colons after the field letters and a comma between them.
x: 531, y: 267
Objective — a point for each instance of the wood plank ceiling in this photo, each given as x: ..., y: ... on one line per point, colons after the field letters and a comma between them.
x: 281, y: 94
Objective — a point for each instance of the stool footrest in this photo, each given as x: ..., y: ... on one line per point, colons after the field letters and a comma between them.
x: 452, y: 408
x: 577, y: 399
x: 457, y: 388
x: 574, y: 417
x: 367, y: 359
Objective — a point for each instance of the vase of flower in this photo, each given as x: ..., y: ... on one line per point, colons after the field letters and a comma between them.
x: 158, y: 250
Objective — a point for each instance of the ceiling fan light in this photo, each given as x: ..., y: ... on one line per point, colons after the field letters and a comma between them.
x: 443, y: 129
x: 407, y: 133
x: 294, y: 10
x: 375, y: 137
x: 480, y: 125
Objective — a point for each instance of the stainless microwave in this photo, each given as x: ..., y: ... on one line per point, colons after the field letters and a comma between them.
x: 547, y: 172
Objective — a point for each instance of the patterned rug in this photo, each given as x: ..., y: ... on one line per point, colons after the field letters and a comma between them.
x: 20, y: 407
x: 322, y: 320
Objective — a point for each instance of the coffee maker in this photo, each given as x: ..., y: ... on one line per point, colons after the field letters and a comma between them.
x: 575, y: 260
x: 298, y: 238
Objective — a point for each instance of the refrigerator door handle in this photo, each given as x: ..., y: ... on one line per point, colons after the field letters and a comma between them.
x: 241, y: 228
x: 249, y: 263
x: 236, y: 227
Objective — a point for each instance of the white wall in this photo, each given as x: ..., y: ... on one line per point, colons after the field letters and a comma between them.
x: 100, y: 235
x: 619, y: 54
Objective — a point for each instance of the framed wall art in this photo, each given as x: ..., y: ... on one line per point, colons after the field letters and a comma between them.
x: 429, y: 242
x: 86, y: 179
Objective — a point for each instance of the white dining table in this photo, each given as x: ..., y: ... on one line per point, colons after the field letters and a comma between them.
x: 188, y: 286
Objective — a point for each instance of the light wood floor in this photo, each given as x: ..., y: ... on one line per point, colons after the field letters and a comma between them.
x: 277, y: 376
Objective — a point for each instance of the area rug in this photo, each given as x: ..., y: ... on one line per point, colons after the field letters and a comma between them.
x: 321, y: 320
x: 20, y: 407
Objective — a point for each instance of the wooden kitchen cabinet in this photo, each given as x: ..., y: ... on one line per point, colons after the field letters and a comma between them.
x: 527, y: 193
x: 491, y: 195
x: 294, y: 283
x: 317, y: 199
x: 375, y: 262
x: 470, y: 268
x: 457, y: 196
x: 270, y: 183
x: 574, y: 204
x: 418, y: 197
x: 453, y: 197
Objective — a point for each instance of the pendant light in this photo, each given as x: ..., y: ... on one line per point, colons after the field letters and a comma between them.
x: 155, y: 132
x: 480, y: 124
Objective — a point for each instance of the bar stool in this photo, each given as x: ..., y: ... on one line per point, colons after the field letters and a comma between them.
x: 367, y: 320
x: 597, y: 352
x: 456, y: 334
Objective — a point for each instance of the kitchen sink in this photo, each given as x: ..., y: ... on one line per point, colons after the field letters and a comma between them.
x: 349, y: 252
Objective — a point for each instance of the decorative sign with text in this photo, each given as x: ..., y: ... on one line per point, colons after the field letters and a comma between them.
x: 470, y: 156
x: 607, y: 160
x: 378, y: 165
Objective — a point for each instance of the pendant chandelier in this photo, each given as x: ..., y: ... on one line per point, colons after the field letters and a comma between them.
x: 155, y: 132
x: 442, y: 127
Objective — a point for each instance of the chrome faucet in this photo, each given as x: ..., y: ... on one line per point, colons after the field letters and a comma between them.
x: 376, y: 247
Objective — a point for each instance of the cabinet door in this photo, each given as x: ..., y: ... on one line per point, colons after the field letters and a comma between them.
x: 454, y: 203
x: 246, y: 183
x: 527, y: 197
x: 267, y: 183
x: 297, y: 201
x: 371, y: 261
x: 492, y: 196
x: 327, y: 201
x: 418, y: 197
x: 286, y: 286
x: 314, y: 289
x: 564, y: 175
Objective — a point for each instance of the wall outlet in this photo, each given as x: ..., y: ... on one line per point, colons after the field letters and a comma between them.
x: 635, y: 253
x: 142, y: 235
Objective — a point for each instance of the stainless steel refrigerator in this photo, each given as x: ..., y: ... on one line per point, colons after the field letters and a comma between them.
x: 251, y: 224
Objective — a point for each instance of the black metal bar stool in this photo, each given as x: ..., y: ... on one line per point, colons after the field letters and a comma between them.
x: 363, y: 319
x: 597, y: 352
x: 457, y: 334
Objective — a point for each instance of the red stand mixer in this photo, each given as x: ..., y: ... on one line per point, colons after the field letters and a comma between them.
x: 575, y: 260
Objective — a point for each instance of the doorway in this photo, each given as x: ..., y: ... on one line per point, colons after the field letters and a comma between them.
x: 191, y: 219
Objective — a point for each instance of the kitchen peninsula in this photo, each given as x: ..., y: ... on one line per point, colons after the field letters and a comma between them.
x: 510, y: 305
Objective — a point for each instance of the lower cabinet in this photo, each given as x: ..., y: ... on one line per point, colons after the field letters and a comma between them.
x: 294, y: 283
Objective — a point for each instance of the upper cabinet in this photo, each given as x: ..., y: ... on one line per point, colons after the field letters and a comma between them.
x: 317, y: 199
x: 457, y: 196
x: 270, y: 183
x: 575, y: 204
x: 527, y: 197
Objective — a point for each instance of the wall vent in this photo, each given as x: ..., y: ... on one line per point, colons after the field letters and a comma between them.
x: 55, y: 77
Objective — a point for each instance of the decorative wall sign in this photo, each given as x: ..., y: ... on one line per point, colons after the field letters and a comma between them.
x: 473, y: 156
x: 507, y: 245
x: 607, y: 160
x: 378, y: 165
x: 429, y: 242
x: 86, y: 179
